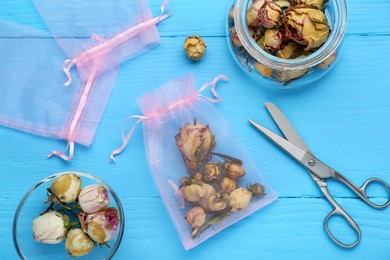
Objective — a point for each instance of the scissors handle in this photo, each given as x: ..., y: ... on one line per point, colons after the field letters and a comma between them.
x: 337, y: 211
x: 361, y: 192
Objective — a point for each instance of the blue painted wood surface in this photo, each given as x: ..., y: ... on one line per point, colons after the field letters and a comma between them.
x: 344, y: 118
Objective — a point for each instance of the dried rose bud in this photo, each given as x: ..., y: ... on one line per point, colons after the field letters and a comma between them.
x: 234, y: 37
x: 216, y: 203
x: 307, y: 26
x: 194, y: 47
x: 283, y: 4
x: 185, y: 181
x: 263, y: 70
x: 212, y: 172
x: 195, y: 217
x: 78, y: 243
x: 228, y: 185
x: 93, y: 197
x: 197, y: 177
x: 326, y: 63
x: 231, y: 13
x: 289, y: 50
x: 195, y: 142
x: 265, y: 13
x: 272, y: 40
x: 66, y: 187
x: 234, y: 170
x: 316, y: 3
x: 50, y: 228
x: 290, y: 74
x: 256, y: 189
x: 196, y: 192
x: 239, y: 199
x: 100, y: 226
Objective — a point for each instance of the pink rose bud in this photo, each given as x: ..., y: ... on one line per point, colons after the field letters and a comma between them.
x: 100, y: 226
x: 93, y: 198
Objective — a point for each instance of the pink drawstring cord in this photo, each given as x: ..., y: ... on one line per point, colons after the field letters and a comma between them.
x: 125, y: 139
x: 62, y: 154
x: 94, y: 54
x: 109, y: 45
x: 79, y: 112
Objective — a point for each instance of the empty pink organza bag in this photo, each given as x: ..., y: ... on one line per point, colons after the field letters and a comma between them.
x: 94, y: 36
x: 206, y: 178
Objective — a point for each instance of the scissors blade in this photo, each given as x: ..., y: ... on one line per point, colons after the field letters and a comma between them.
x: 285, y: 127
x: 288, y: 147
x: 311, y: 163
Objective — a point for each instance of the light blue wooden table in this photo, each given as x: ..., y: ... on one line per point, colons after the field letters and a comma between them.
x: 344, y: 118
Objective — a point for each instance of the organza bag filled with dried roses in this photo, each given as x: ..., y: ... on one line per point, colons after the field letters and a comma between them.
x: 206, y: 178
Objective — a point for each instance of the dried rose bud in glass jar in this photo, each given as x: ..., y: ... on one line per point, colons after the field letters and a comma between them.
x: 286, y: 44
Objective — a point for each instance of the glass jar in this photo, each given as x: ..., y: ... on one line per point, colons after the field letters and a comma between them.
x: 280, y: 72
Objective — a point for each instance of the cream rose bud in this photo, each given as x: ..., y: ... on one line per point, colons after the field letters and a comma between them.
x: 78, y: 243
x: 66, y: 187
x: 239, y: 199
x: 272, y: 40
x: 196, y: 192
x: 195, y: 217
x: 100, y: 226
x: 93, y: 198
x: 234, y: 170
x: 50, y: 228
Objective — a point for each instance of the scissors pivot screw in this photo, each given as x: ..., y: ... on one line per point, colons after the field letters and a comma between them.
x: 312, y: 162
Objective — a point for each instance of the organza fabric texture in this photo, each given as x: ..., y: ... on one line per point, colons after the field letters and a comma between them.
x: 165, y: 111
x: 95, y: 36
x: 33, y: 98
x: 106, y: 31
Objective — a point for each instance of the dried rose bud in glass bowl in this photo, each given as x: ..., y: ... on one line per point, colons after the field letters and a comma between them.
x: 285, y: 44
x: 68, y: 215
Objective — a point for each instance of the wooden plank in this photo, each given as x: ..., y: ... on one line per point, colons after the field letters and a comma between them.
x: 210, y: 20
x: 287, y: 229
x: 348, y: 95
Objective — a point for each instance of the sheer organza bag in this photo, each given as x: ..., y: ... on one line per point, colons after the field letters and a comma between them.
x: 206, y: 178
x: 95, y: 37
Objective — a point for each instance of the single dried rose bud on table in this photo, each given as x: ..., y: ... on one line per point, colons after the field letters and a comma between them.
x: 194, y: 47
x: 78, y: 243
x: 50, y: 228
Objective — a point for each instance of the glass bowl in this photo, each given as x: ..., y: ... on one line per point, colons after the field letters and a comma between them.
x: 31, y: 206
x: 249, y: 53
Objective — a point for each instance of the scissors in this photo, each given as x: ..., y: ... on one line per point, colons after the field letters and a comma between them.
x: 319, y: 171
